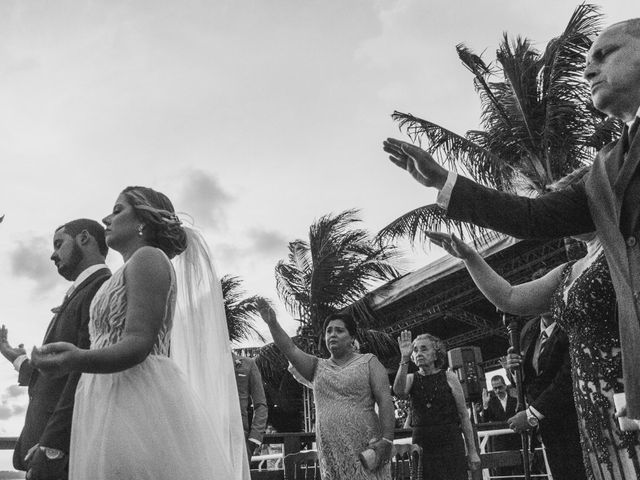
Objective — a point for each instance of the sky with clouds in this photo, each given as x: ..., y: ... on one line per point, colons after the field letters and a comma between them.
x: 254, y: 117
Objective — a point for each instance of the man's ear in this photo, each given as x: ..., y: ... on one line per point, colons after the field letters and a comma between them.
x: 83, y: 237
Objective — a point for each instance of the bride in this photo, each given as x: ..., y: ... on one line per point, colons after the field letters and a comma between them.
x: 138, y: 413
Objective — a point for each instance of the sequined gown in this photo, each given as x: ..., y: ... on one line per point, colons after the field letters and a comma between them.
x: 146, y: 422
x: 345, y: 419
x: 586, y: 311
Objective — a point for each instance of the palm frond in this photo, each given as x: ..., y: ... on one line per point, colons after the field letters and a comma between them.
x: 338, y: 265
x: 455, y: 151
x: 381, y: 344
x: 415, y: 224
x: 240, y: 310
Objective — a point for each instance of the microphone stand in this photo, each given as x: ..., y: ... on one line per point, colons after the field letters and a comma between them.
x: 513, y: 329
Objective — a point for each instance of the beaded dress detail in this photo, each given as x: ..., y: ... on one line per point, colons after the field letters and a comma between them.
x: 345, y: 419
x: 145, y: 422
x: 586, y: 311
x: 108, y: 313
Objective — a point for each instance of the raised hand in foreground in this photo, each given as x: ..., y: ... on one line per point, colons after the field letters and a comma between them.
x: 452, y: 244
x: 420, y: 164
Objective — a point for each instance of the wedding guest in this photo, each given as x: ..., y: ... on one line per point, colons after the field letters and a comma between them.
x: 439, y: 416
x: 139, y: 414
x: 606, y: 201
x: 570, y: 359
x: 249, y: 382
x: 347, y: 387
x: 499, y: 406
x: 79, y: 252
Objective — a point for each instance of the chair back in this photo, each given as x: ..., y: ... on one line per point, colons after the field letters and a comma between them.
x: 302, y: 466
x: 406, y: 462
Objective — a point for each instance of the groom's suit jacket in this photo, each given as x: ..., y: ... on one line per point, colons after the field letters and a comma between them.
x: 48, y: 417
x: 608, y: 201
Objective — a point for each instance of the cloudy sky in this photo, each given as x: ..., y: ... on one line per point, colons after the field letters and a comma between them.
x: 256, y: 117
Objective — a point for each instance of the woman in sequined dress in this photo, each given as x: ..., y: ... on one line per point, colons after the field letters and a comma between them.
x: 346, y: 387
x: 439, y: 415
x: 581, y: 298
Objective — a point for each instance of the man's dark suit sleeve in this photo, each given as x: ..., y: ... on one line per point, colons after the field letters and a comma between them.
x: 57, y: 433
x: 553, y: 215
x: 490, y: 413
x: 24, y: 375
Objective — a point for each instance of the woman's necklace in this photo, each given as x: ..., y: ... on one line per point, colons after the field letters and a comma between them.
x: 429, y: 394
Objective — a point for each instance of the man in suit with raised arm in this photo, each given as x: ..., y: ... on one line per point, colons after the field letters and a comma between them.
x: 607, y: 200
x: 79, y: 251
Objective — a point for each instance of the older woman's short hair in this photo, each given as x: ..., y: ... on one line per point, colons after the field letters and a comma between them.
x: 439, y: 347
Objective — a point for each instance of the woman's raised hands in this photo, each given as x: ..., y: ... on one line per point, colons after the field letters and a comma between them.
x: 452, y: 244
x: 406, y: 347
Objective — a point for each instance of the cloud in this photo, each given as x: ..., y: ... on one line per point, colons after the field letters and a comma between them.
x: 14, y: 391
x: 5, y: 412
x: 30, y: 260
x: 204, y: 199
x: 268, y: 242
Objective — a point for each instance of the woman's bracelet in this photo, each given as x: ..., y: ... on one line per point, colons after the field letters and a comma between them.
x: 387, y: 440
x: 404, y: 363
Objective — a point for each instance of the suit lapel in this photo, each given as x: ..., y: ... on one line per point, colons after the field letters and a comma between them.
x: 627, y: 166
x: 549, y: 347
x: 87, y: 281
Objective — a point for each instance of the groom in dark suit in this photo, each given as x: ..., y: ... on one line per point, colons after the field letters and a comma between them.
x: 546, y: 379
x: 79, y: 252
x: 607, y: 200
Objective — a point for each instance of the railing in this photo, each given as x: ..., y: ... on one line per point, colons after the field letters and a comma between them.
x: 293, y: 442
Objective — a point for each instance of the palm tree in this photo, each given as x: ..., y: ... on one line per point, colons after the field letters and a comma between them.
x: 330, y: 272
x: 239, y: 310
x: 538, y: 119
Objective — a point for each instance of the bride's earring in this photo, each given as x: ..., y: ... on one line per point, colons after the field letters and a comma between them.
x: 140, y: 229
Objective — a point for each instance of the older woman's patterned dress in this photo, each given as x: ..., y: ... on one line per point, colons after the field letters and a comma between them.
x: 586, y: 311
x: 345, y: 418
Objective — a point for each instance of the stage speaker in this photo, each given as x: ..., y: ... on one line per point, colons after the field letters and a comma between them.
x: 465, y: 362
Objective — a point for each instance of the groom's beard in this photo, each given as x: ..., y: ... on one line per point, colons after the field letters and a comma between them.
x: 68, y: 269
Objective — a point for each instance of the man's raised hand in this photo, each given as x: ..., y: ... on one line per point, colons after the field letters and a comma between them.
x: 7, y: 351
x: 417, y: 162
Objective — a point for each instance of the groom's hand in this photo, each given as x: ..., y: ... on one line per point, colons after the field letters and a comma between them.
x: 417, y: 162
x: 7, y: 351
x: 40, y: 467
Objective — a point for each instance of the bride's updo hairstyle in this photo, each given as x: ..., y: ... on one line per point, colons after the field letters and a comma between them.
x: 162, y: 227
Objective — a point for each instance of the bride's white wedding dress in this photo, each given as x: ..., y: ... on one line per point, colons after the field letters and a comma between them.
x: 146, y: 422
